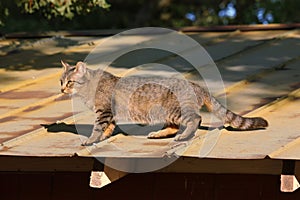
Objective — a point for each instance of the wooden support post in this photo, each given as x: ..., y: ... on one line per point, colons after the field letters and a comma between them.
x: 107, y: 175
x: 98, y: 179
x: 289, y: 182
x: 113, y: 174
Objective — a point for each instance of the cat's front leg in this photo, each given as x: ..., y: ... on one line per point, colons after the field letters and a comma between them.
x: 103, y: 128
x: 98, y: 136
x: 94, y: 138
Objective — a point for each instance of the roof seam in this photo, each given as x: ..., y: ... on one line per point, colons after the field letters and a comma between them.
x: 36, y: 104
x: 27, y: 82
x: 257, y: 76
x: 278, y: 102
x: 254, y: 47
x: 289, y: 145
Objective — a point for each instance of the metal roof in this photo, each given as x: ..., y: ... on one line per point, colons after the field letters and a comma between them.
x: 260, y: 69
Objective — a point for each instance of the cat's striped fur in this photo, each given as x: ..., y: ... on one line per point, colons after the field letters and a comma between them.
x: 173, y: 102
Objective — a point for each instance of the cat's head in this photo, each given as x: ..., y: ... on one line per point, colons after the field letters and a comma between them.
x: 72, y: 77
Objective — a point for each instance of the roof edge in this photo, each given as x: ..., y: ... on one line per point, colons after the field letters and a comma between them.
x: 252, y: 27
x: 110, y: 32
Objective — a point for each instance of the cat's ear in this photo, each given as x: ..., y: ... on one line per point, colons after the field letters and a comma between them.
x: 66, y: 66
x: 80, y: 69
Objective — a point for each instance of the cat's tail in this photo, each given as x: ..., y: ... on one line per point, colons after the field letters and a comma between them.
x: 228, y: 117
x: 235, y: 120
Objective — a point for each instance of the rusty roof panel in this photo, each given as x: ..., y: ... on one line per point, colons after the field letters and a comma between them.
x: 260, y: 71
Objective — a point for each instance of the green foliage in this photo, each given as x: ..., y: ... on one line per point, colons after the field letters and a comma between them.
x: 4, y: 12
x: 284, y: 11
x: 41, y: 15
x: 61, y: 8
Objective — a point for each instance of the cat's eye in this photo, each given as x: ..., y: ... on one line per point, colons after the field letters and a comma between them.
x: 61, y: 82
x: 69, y: 83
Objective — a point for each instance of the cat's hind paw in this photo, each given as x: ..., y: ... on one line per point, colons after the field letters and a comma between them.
x: 164, y: 133
x: 154, y: 135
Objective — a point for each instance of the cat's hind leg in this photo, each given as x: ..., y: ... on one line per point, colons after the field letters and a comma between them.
x: 166, y: 132
x: 191, y: 127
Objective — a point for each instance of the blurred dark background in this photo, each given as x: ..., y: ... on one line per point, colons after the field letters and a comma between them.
x: 45, y: 15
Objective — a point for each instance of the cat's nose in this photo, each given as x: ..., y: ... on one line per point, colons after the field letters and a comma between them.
x: 62, y: 90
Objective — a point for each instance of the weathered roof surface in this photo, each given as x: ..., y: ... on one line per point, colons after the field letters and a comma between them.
x: 260, y: 70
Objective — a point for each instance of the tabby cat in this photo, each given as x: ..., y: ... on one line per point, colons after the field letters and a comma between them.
x: 175, y: 103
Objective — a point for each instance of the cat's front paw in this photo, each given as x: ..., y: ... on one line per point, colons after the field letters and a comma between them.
x: 180, y: 137
x: 90, y: 141
x: 87, y: 143
x: 93, y: 140
x: 103, y: 137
